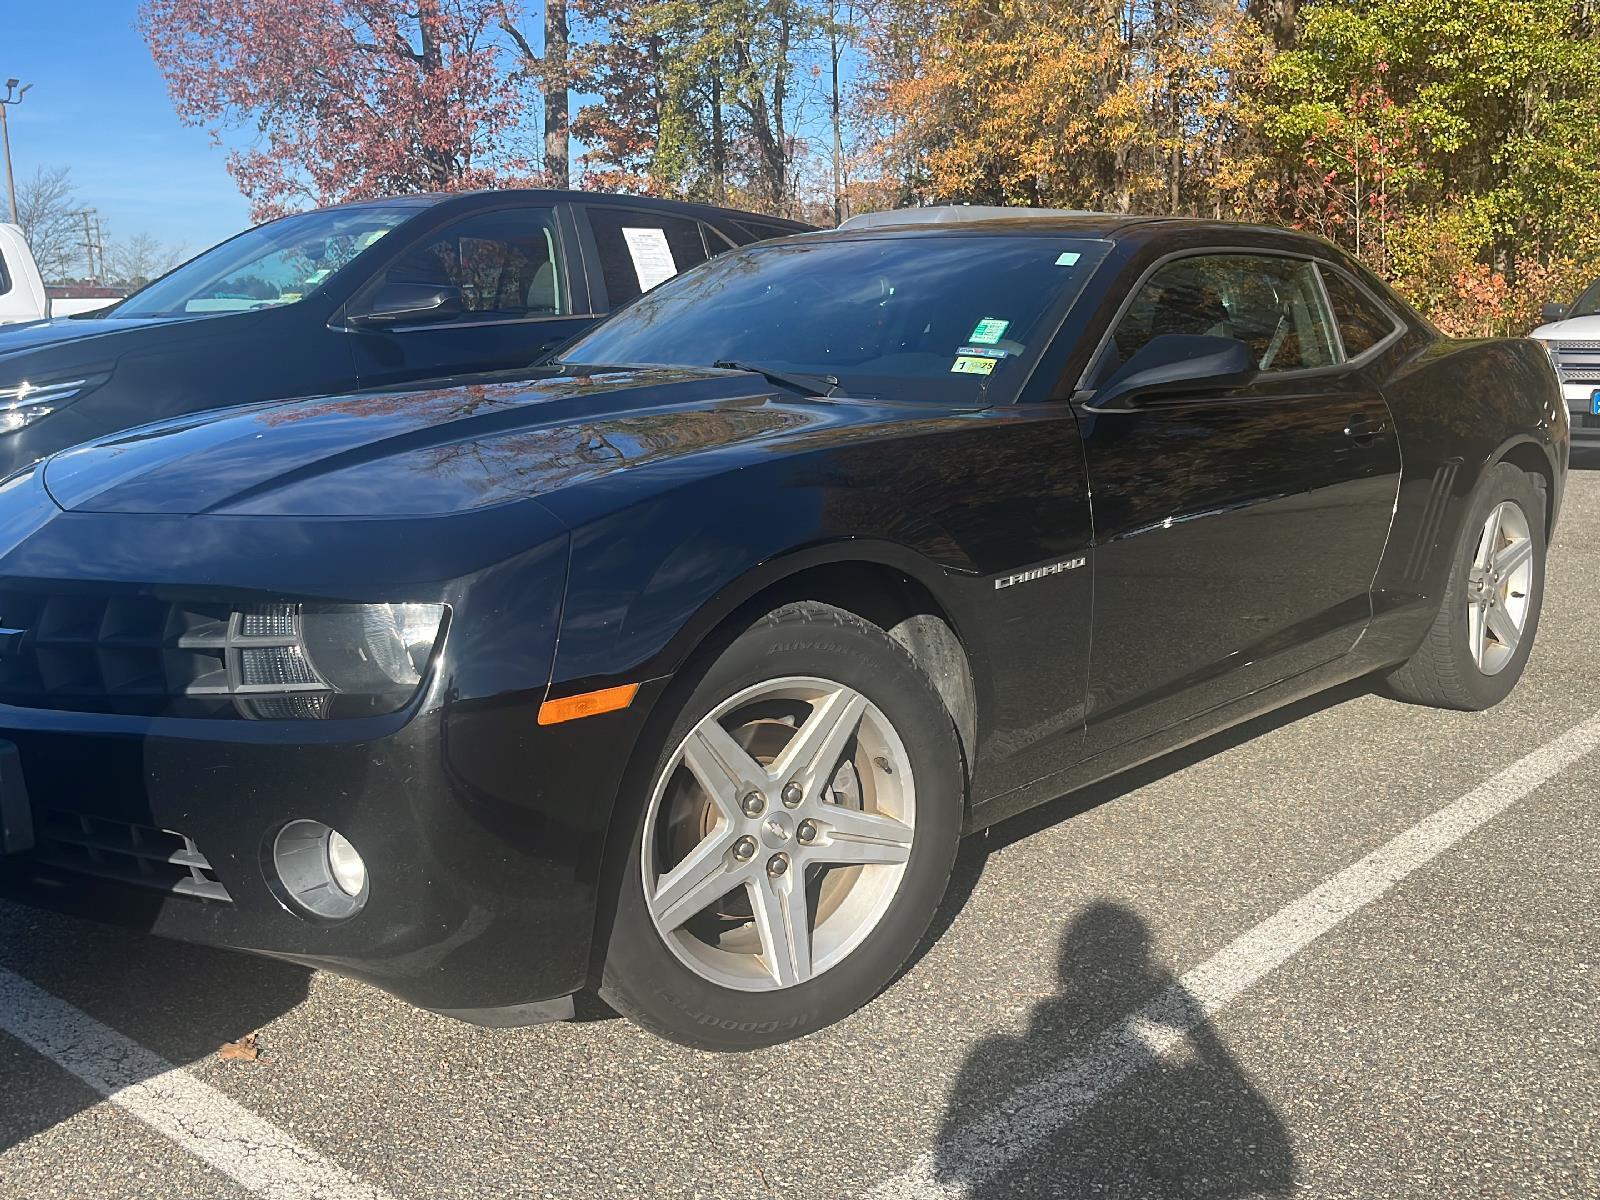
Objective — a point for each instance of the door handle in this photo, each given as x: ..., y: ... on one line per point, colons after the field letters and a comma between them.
x: 1363, y: 428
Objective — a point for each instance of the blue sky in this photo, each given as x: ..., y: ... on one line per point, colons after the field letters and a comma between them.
x: 99, y: 107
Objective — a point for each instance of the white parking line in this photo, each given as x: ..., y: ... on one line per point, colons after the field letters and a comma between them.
x: 1033, y: 1113
x: 252, y: 1152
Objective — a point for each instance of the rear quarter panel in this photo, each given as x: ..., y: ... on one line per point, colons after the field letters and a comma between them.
x: 1459, y: 408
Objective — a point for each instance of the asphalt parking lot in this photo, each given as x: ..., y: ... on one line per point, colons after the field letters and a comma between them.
x: 1353, y: 950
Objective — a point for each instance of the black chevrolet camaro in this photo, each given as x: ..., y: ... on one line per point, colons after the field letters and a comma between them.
x: 677, y: 669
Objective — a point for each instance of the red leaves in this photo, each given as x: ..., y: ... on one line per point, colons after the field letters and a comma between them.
x: 347, y: 98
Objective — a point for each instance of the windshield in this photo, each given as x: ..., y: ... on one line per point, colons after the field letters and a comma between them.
x: 267, y: 266
x: 1588, y: 304
x: 954, y: 315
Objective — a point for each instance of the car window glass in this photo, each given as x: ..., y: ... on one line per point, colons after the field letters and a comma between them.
x: 1588, y: 304
x: 269, y: 266
x: 5, y: 276
x: 507, y: 264
x: 760, y: 231
x: 935, y: 318
x: 1363, y: 323
x: 638, y: 249
x: 1271, y: 304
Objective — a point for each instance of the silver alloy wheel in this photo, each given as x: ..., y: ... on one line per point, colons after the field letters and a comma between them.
x: 778, y: 834
x: 1500, y: 587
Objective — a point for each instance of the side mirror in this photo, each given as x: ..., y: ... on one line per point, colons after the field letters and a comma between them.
x: 1553, y: 312
x: 409, y: 304
x: 1178, y: 362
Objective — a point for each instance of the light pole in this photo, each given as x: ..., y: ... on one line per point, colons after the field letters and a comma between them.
x: 12, y: 96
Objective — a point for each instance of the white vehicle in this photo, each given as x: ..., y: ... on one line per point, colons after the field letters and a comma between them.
x: 22, y: 294
x: 1572, y: 335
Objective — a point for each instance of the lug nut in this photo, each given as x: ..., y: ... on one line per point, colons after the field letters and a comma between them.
x: 792, y: 795
x: 744, y: 849
x: 777, y: 865
x: 806, y: 833
x: 754, y: 804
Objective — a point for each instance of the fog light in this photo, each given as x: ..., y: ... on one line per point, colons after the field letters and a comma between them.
x: 316, y: 870
x: 349, y: 872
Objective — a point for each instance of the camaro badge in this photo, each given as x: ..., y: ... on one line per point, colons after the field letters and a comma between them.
x: 1066, y: 564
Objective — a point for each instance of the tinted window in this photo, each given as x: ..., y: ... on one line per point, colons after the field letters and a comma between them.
x: 5, y: 276
x: 270, y: 265
x: 938, y: 317
x: 1271, y: 304
x: 760, y: 231
x: 506, y: 263
x: 1362, y: 322
x: 639, y: 250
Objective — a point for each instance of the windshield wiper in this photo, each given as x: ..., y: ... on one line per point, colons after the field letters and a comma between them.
x: 809, y: 385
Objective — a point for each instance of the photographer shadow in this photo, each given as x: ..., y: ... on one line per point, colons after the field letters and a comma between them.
x: 1133, y: 1091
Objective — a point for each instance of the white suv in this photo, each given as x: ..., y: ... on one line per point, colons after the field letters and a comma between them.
x: 1572, y: 335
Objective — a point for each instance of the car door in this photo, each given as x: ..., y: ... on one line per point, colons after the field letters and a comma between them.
x: 1237, y: 530
x: 631, y: 250
x: 520, y: 298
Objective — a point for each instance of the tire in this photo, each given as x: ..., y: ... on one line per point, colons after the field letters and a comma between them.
x: 702, y: 967
x: 1445, y: 671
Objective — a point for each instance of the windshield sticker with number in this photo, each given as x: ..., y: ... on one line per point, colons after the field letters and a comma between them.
x: 971, y: 365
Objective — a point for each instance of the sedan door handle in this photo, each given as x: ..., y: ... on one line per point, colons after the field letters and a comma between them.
x: 1363, y: 428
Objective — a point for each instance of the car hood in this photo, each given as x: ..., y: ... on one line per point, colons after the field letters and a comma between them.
x: 421, y: 451
x: 1573, y: 329
x: 36, y: 335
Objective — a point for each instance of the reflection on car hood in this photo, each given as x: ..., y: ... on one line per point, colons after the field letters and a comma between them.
x: 417, y: 452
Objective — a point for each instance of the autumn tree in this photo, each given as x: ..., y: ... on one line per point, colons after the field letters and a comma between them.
x: 345, y: 98
x: 1110, y: 105
x: 696, y: 99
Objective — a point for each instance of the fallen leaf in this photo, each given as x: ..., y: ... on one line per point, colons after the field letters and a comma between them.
x: 244, y: 1050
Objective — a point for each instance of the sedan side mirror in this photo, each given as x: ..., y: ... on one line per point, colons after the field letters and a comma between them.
x: 1553, y: 312
x: 1178, y: 362
x: 409, y: 304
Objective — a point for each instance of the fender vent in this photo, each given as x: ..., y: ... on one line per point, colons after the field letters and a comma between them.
x: 1432, y: 517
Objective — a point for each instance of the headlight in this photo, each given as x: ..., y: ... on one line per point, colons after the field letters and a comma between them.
x: 25, y: 403
x: 297, y: 660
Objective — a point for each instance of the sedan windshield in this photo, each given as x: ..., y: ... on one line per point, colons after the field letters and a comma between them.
x: 949, y: 316
x: 270, y: 265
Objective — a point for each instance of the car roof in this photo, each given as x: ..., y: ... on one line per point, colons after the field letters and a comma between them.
x: 955, y: 220
x: 575, y: 196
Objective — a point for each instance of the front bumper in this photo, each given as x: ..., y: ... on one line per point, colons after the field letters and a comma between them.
x: 483, y: 884
x: 1580, y: 405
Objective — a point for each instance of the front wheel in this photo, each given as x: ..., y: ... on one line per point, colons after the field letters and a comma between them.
x: 1479, y: 642
x: 797, y: 836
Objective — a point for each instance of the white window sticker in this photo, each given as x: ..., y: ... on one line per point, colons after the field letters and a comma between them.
x: 652, y: 257
x: 1068, y: 258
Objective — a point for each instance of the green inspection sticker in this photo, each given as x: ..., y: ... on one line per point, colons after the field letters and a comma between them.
x: 1068, y: 258
x: 966, y: 365
x: 989, y: 331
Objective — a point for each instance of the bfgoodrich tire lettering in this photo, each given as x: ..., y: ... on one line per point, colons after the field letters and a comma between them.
x: 752, y: 911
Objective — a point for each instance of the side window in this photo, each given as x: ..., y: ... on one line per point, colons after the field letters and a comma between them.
x: 1272, y: 304
x: 506, y: 263
x: 1363, y: 323
x: 639, y: 250
x: 5, y: 276
x: 760, y: 231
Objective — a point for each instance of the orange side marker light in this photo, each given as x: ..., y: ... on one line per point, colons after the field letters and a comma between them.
x: 588, y: 704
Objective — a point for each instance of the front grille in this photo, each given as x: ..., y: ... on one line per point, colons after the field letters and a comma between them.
x: 145, y: 655
x: 1578, y: 362
x: 159, y: 859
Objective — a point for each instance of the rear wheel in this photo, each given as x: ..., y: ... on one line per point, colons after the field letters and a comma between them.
x: 1479, y: 643
x: 796, y: 838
